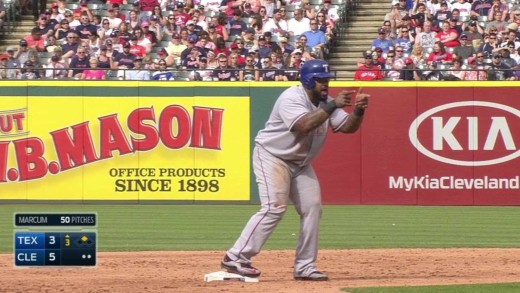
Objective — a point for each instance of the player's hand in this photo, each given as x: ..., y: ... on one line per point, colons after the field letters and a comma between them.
x: 344, y: 98
x: 361, y: 100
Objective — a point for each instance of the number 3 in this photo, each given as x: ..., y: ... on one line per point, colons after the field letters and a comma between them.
x: 52, y: 240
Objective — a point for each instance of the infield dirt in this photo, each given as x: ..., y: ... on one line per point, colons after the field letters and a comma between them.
x: 183, y: 271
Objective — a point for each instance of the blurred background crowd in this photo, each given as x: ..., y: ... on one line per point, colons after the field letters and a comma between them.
x: 246, y: 40
x: 445, y: 40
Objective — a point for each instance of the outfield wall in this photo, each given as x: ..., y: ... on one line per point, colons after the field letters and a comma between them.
x: 155, y: 141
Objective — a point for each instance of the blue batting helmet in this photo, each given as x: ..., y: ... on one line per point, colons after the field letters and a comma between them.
x: 314, y: 69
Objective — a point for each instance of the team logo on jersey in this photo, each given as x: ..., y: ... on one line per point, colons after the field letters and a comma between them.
x: 472, y: 133
x: 326, y: 67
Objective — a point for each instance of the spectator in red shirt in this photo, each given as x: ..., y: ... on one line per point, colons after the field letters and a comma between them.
x: 35, y: 41
x: 368, y: 71
x: 439, y: 54
x: 448, y: 36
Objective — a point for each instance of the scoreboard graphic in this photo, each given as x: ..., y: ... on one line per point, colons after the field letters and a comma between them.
x: 54, y: 239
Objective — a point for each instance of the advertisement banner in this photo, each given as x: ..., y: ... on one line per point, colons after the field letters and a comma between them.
x: 429, y: 146
x: 125, y: 148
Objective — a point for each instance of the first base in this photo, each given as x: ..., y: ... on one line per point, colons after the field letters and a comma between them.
x: 225, y: 276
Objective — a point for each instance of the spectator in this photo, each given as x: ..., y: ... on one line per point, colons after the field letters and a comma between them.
x: 418, y: 56
x: 263, y: 48
x: 162, y: 73
x: 277, y: 26
x: 203, y: 73
x: 507, y: 60
x: 382, y: 42
x: 124, y: 59
x: 123, y: 34
x: 175, y: 47
x: 368, y: 71
x: 205, y: 43
x: 496, y: 21
x: 212, y: 60
x: 516, y: 55
x: 74, y: 20
x: 433, y: 73
x: 442, y: 15
x: 135, y: 48
x: 426, y: 38
x: 220, y: 26
x: 62, y: 30
x: 481, y: 7
x: 463, y: 7
x: 409, y: 71
x: 498, y: 12
x: 510, y: 38
x: 394, y: 17
x: 448, y: 36
x: 169, y: 59
x: 94, y: 72
x: 299, y: 24
x: 248, y: 72
x: 140, y: 14
x: 78, y: 63
x: 268, y: 72
x: 249, y: 38
x: 405, y: 40
x: 476, y: 72
x: 248, y: 11
x: 316, y: 39
x: 28, y: 71
x: 456, y: 72
x: 169, y: 27
x: 142, y: 40
x: 514, y: 16
x: 2, y: 15
x: 234, y: 51
x: 233, y: 61
x: 223, y: 72
x: 133, y: 20
x: 44, y: 25
x: 489, y: 45
x: 474, y: 34
x: 13, y: 64
x: 498, y: 70
x: 262, y: 16
x: 37, y: 65
x: 35, y: 41
x: 465, y: 49
x: 258, y: 26
x: 220, y: 47
x: 242, y: 51
x: 23, y: 52
x: 331, y: 12
x: 85, y: 29
x: 308, y: 10
x: 420, y: 15
x: 190, y: 28
x: 104, y: 61
x: 137, y: 72
x: 439, y: 54
x: 236, y: 25
x: 211, y: 5
x: 3, y: 65
x: 113, y: 20
x: 117, y: 11
x: 325, y: 25
x: 148, y: 5
x: 192, y: 60
x: 154, y: 31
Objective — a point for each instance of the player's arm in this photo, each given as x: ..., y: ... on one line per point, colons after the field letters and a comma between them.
x: 356, y: 117
x: 312, y: 120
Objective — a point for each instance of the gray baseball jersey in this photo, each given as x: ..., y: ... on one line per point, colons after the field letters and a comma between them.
x: 281, y: 162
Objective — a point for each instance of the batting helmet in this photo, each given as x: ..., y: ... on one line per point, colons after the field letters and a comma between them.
x: 312, y: 69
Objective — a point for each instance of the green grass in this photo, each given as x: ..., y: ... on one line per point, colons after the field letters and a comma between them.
x: 480, y: 288
x: 216, y: 227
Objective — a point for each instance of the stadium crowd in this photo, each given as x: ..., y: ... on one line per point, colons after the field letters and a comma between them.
x: 246, y: 40
x: 442, y: 40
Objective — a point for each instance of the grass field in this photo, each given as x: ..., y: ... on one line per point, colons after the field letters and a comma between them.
x: 215, y: 227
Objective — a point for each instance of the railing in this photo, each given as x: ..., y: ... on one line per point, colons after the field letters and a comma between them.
x: 289, y: 74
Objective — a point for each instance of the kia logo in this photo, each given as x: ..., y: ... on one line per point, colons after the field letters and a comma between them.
x: 456, y: 134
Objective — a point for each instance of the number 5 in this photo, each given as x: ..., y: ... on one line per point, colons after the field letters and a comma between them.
x: 52, y: 256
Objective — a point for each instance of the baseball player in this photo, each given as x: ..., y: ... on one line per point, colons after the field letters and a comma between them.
x: 282, y: 157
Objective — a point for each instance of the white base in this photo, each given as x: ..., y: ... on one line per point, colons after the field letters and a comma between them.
x: 225, y: 276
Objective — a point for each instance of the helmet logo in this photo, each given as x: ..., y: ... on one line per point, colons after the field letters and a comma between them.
x: 326, y: 66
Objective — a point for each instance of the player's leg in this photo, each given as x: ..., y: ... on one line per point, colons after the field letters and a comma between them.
x: 273, y: 178
x: 306, y: 196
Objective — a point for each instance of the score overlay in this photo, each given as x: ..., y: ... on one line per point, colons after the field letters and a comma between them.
x: 55, y: 239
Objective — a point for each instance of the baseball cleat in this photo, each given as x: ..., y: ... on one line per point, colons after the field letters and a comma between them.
x: 234, y: 267
x: 313, y: 276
